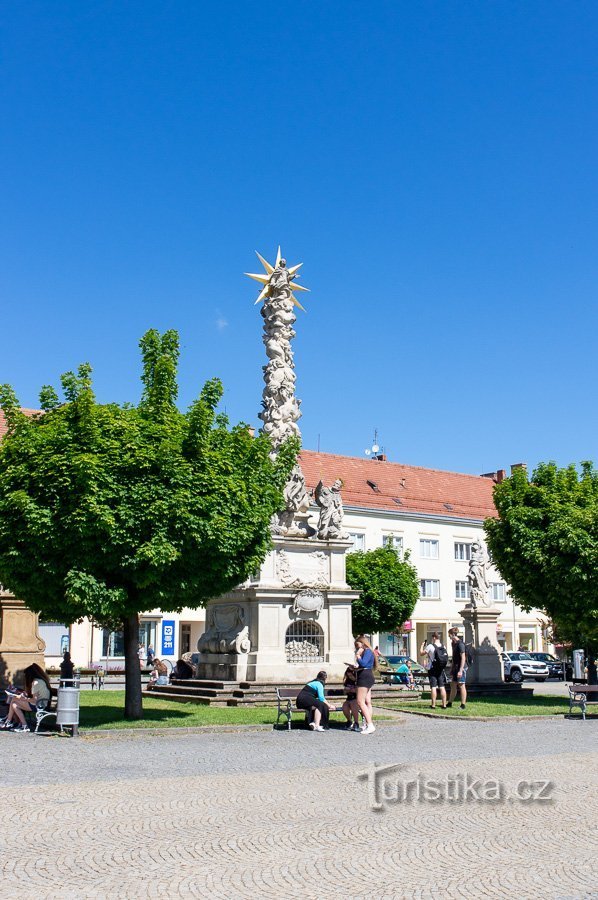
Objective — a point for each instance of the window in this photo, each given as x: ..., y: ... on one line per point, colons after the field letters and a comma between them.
x: 185, y: 638
x: 429, y: 588
x: 304, y: 642
x: 428, y: 548
x: 462, y: 550
x: 393, y: 540
x: 497, y: 592
x: 113, y: 643
x: 358, y: 541
x: 461, y: 590
x: 147, y: 634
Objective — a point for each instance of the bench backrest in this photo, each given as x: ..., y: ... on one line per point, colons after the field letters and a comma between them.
x: 288, y: 693
x: 583, y: 688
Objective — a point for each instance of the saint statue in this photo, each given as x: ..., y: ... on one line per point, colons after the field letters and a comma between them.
x: 331, y: 510
x: 478, y: 576
x: 280, y: 281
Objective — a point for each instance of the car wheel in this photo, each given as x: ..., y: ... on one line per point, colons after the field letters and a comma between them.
x: 539, y: 679
x: 516, y: 676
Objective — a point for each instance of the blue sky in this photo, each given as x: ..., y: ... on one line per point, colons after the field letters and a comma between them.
x: 433, y: 164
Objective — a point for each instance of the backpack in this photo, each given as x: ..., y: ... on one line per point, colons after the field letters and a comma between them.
x: 470, y: 654
x: 440, y: 660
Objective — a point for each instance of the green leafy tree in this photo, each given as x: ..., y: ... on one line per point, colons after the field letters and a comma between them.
x: 388, y: 586
x: 107, y: 511
x: 545, y: 544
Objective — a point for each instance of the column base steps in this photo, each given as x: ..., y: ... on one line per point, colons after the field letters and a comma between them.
x: 243, y: 693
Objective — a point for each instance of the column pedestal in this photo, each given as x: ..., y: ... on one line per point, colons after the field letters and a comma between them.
x: 480, y: 630
x: 20, y: 643
x: 289, y: 621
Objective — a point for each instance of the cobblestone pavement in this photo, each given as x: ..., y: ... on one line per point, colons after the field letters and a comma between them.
x: 276, y: 814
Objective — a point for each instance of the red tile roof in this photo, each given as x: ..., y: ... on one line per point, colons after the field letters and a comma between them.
x: 3, y: 427
x: 420, y: 490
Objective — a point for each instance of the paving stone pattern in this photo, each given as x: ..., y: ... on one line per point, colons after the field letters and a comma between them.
x: 272, y: 814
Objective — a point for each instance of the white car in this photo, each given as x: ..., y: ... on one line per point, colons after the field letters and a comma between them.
x: 517, y: 666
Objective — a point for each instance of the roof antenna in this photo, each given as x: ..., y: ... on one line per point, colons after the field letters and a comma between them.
x: 374, y: 450
x: 318, y: 443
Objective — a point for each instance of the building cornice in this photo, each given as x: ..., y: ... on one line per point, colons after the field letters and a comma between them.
x: 412, y: 515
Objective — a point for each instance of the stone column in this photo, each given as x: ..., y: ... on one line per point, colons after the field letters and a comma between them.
x: 480, y: 630
x: 20, y: 642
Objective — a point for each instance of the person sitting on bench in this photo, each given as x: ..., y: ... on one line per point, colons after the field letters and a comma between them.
x: 405, y: 675
x: 311, y: 697
x: 37, y: 687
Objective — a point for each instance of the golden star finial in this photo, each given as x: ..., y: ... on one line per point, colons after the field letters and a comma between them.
x: 265, y: 279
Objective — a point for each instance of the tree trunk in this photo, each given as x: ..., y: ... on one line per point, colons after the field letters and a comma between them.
x: 133, y: 705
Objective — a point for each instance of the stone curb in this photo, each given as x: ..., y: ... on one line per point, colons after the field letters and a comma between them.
x: 210, y: 729
x: 455, y: 718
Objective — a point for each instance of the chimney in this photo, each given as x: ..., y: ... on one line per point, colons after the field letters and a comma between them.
x: 516, y: 466
x: 500, y: 476
x: 251, y: 430
x: 491, y: 475
x: 381, y: 457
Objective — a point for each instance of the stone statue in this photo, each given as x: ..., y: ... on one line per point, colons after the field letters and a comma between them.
x: 226, y: 631
x: 331, y: 510
x: 280, y: 280
x: 478, y: 576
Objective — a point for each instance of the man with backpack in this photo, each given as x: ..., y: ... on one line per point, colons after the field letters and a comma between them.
x: 437, y: 659
x: 458, y: 668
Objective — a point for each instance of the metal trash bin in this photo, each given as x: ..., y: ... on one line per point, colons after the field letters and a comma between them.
x: 67, y: 708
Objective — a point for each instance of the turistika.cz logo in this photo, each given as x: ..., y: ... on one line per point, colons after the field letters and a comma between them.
x: 386, y: 788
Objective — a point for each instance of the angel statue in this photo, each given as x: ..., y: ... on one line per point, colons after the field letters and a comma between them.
x: 331, y: 511
x: 478, y: 576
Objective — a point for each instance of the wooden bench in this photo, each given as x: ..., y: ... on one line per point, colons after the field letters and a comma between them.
x: 390, y: 676
x: 582, y: 694
x: 286, y: 703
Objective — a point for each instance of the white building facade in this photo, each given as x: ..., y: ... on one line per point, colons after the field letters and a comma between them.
x: 435, y: 516
x: 439, y: 548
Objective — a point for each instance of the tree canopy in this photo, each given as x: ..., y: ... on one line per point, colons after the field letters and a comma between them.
x: 545, y: 543
x: 388, y: 586
x: 107, y: 511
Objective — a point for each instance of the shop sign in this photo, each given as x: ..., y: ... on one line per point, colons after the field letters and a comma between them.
x: 168, y: 637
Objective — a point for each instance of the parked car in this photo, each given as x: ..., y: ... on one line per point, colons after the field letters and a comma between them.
x: 555, y: 666
x: 518, y: 666
x: 389, y: 664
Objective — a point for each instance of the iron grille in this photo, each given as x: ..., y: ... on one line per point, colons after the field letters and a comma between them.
x: 304, y: 642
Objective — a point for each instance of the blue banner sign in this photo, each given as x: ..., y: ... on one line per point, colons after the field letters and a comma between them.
x: 167, y: 637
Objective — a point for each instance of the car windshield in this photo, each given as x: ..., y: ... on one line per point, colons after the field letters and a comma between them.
x: 519, y: 656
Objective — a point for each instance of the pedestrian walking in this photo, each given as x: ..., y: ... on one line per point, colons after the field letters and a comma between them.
x: 458, y: 668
